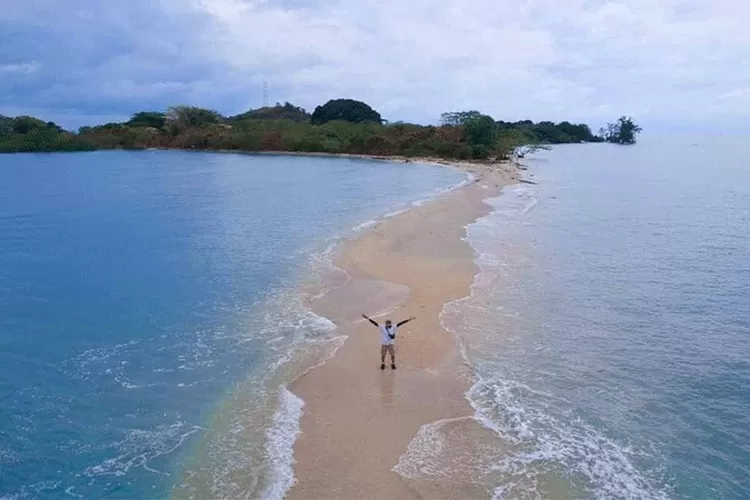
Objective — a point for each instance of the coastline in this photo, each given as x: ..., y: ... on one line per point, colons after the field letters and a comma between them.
x: 357, y: 420
x: 432, y: 160
x: 267, y: 471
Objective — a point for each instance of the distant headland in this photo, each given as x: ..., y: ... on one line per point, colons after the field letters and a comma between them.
x: 340, y: 126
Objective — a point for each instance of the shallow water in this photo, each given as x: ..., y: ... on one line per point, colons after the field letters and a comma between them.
x: 608, y: 329
x: 154, y: 307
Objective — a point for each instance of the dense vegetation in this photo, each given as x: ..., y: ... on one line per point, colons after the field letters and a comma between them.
x: 623, y: 131
x: 339, y: 126
x: 346, y: 110
x: 286, y: 112
x: 26, y: 134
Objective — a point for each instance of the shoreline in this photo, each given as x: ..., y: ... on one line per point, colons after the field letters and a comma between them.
x: 279, y: 474
x: 357, y: 420
x: 469, y: 165
x: 432, y: 160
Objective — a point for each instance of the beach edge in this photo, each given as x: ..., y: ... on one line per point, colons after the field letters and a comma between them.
x: 424, y: 248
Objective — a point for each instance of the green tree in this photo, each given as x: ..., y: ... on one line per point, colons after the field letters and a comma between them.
x: 458, y: 118
x: 6, y: 125
x: 41, y: 139
x: 480, y: 131
x: 509, y: 140
x: 287, y: 111
x: 347, y: 110
x: 191, y: 116
x: 623, y: 131
x: 147, y: 119
x: 25, y: 124
x: 466, y: 134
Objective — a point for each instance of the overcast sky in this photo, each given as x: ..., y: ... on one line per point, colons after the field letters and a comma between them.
x: 665, y: 62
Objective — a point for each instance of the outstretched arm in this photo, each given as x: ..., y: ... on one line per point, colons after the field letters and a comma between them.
x: 370, y: 319
x: 405, y: 321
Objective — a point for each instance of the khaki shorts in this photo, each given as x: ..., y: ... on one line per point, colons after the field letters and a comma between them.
x: 385, y: 349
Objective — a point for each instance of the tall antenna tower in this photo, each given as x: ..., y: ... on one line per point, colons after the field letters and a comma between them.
x: 265, y: 94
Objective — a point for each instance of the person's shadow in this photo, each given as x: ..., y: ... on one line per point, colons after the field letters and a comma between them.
x: 387, y: 388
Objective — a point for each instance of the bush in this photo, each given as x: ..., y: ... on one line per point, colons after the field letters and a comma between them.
x: 347, y: 110
x: 480, y: 130
x: 346, y: 126
x: 464, y: 152
x: 480, y: 152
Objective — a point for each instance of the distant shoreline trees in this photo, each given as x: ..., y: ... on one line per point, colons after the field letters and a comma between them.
x: 338, y: 126
x: 24, y: 134
x: 347, y: 110
x: 623, y: 131
x: 286, y: 111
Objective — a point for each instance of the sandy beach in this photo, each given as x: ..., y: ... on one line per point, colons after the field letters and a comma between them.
x: 358, y: 420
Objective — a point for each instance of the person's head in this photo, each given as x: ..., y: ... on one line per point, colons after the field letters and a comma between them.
x: 387, y: 323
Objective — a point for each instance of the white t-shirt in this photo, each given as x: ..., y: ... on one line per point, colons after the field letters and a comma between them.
x: 384, y: 338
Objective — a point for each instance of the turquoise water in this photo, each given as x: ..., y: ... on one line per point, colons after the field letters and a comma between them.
x: 152, y: 315
x: 609, y: 328
x: 151, y: 309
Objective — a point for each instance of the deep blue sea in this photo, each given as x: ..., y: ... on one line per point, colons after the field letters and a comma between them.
x: 150, y: 314
x: 609, y: 327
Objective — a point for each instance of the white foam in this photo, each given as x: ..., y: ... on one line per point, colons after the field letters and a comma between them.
x: 421, y: 453
x: 505, y: 406
x: 321, y: 265
x: 534, y: 202
x: 285, y: 314
x: 364, y: 225
x: 69, y: 491
x: 395, y: 213
x: 142, y: 445
x: 290, y: 328
x: 127, y: 385
x: 280, y: 445
x: 468, y: 180
x: 335, y: 344
x: 606, y: 464
x: 253, y: 452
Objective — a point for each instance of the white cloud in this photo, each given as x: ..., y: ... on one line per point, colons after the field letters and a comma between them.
x: 27, y: 68
x: 736, y: 93
x: 576, y: 59
x: 581, y: 60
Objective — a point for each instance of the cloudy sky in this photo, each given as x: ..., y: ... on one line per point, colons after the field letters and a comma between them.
x: 668, y: 63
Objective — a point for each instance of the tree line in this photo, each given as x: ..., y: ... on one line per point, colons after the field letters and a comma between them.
x: 338, y: 126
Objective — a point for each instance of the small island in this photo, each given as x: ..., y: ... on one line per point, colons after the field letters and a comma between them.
x: 340, y: 126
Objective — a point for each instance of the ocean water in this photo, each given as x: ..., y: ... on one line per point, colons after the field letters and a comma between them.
x: 153, y: 309
x: 609, y: 329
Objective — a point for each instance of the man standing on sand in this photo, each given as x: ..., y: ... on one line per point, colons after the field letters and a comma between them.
x: 387, y: 339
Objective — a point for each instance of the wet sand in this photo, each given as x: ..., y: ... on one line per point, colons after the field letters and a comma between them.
x: 358, y: 420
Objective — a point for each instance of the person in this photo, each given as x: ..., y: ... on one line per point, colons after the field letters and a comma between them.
x: 387, y: 339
